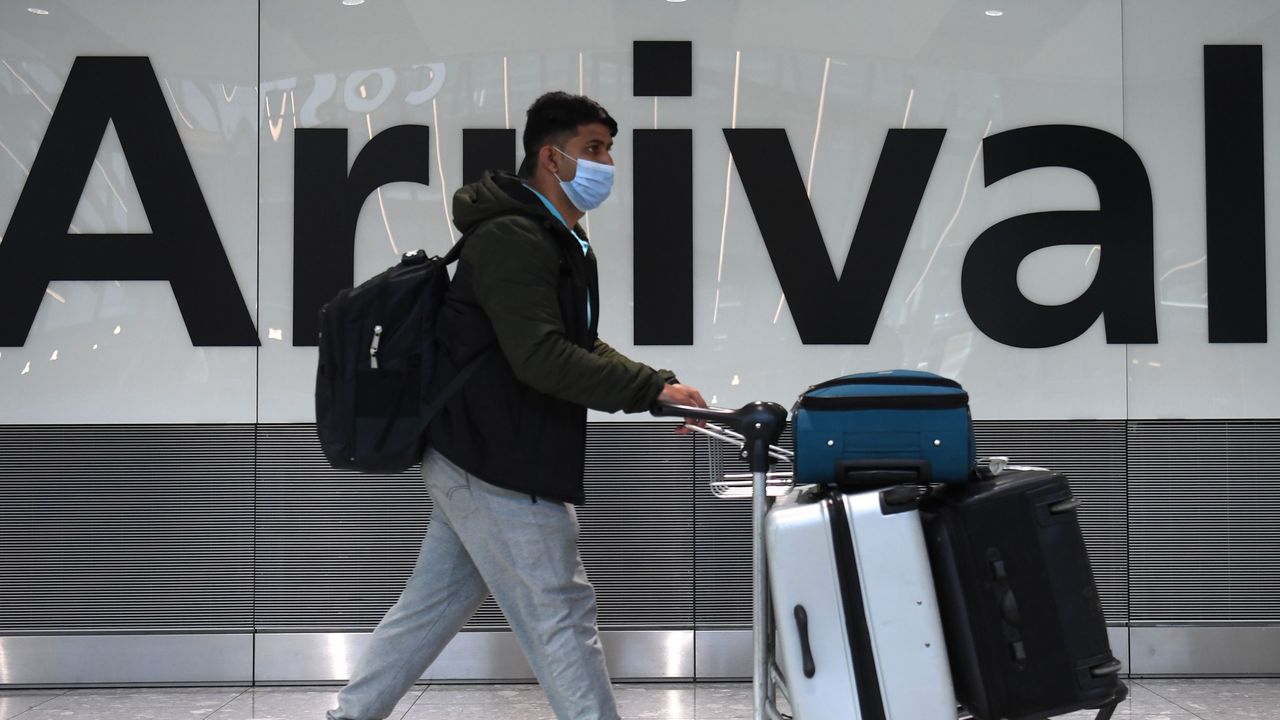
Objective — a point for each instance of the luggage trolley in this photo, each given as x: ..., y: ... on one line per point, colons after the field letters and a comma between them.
x: 756, y: 428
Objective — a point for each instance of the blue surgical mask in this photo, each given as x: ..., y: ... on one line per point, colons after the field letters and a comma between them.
x: 590, y: 185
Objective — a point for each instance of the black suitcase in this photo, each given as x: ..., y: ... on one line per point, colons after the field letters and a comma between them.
x: 1025, y: 630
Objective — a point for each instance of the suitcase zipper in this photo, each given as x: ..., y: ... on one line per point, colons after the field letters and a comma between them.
x: 888, y: 380
x: 949, y: 401
x: 870, y: 701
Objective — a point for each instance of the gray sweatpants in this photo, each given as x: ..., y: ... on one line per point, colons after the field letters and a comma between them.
x: 483, y: 538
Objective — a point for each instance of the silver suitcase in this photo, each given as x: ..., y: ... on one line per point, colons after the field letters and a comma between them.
x: 857, y: 629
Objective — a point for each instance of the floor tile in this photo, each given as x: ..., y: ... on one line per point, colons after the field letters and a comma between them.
x: 477, y: 702
x: 295, y: 703
x: 14, y: 702
x: 134, y: 704
x: 1223, y: 699
x: 722, y: 701
x: 665, y: 701
x: 1219, y: 699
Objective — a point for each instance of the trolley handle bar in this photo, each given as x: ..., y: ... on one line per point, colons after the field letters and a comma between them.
x: 760, y: 424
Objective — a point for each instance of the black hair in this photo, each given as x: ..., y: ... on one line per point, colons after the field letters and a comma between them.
x: 555, y: 117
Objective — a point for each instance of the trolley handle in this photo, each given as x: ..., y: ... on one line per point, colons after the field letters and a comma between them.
x: 759, y: 423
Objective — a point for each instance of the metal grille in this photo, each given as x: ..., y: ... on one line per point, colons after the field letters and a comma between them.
x: 1091, y: 453
x: 723, y: 534
x: 335, y: 547
x: 172, y: 527
x: 126, y: 527
x: 637, y: 536
x: 1204, y: 534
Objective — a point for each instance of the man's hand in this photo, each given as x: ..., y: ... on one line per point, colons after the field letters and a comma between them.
x: 678, y: 394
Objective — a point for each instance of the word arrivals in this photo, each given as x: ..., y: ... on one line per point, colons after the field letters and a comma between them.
x: 37, y: 248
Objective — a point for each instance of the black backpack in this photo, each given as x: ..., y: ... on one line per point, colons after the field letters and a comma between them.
x: 377, y: 356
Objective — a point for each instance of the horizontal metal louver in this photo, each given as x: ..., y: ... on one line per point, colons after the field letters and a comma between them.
x: 335, y: 547
x: 126, y: 527
x: 228, y: 528
x: 723, y: 573
x: 1204, y: 516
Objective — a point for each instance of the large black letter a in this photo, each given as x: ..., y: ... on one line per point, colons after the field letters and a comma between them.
x: 183, y: 247
x: 1123, y: 291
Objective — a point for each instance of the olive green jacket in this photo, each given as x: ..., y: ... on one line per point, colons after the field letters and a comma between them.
x: 523, y: 284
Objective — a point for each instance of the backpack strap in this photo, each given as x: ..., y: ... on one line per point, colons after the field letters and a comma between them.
x: 463, y: 375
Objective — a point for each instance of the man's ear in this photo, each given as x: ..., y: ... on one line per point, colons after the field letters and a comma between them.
x: 547, y: 157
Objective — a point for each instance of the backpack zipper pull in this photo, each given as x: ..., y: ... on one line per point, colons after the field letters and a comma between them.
x: 373, y: 349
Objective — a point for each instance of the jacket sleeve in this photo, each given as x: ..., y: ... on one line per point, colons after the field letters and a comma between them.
x: 604, y: 350
x: 515, y: 271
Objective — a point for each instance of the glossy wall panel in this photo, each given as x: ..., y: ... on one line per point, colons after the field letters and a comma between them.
x: 835, y: 94
x: 843, y: 82
x: 110, y: 351
x: 1184, y: 376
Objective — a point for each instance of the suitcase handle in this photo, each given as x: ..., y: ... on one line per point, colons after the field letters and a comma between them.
x: 806, y: 652
x: 868, y: 474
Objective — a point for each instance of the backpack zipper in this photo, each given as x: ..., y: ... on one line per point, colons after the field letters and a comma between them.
x: 373, y: 349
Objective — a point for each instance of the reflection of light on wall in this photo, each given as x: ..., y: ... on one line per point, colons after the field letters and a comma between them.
x: 9, y: 152
x: 735, y: 381
x: 382, y: 207
x: 95, y: 346
x: 677, y: 647
x: 55, y: 296
x: 813, y: 157
x: 49, y: 110
x: 272, y: 125
x: 339, y: 667
x: 54, y: 356
x: 37, y: 11
x: 27, y: 369
x: 728, y: 176
x: 1187, y: 266
x: 116, y: 331
x: 963, y: 194
x: 31, y: 90
x: 910, y: 96
x: 506, y: 100
x: 275, y: 334
x: 444, y: 197
x: 182, y: 117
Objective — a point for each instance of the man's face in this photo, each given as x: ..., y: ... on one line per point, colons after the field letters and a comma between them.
x: 592, y: 142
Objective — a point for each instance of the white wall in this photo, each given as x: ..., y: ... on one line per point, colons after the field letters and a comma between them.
x: 239, y: 83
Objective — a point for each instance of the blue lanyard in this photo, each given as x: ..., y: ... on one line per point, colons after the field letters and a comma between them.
x: 552, y: 209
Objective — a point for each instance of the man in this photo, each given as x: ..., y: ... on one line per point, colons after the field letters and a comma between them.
x: 505, y: 467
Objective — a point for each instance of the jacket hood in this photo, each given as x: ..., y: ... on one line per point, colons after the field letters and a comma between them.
x: 497, y: 193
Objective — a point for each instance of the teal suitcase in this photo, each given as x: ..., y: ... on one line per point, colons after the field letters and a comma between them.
x: 884, y: 428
